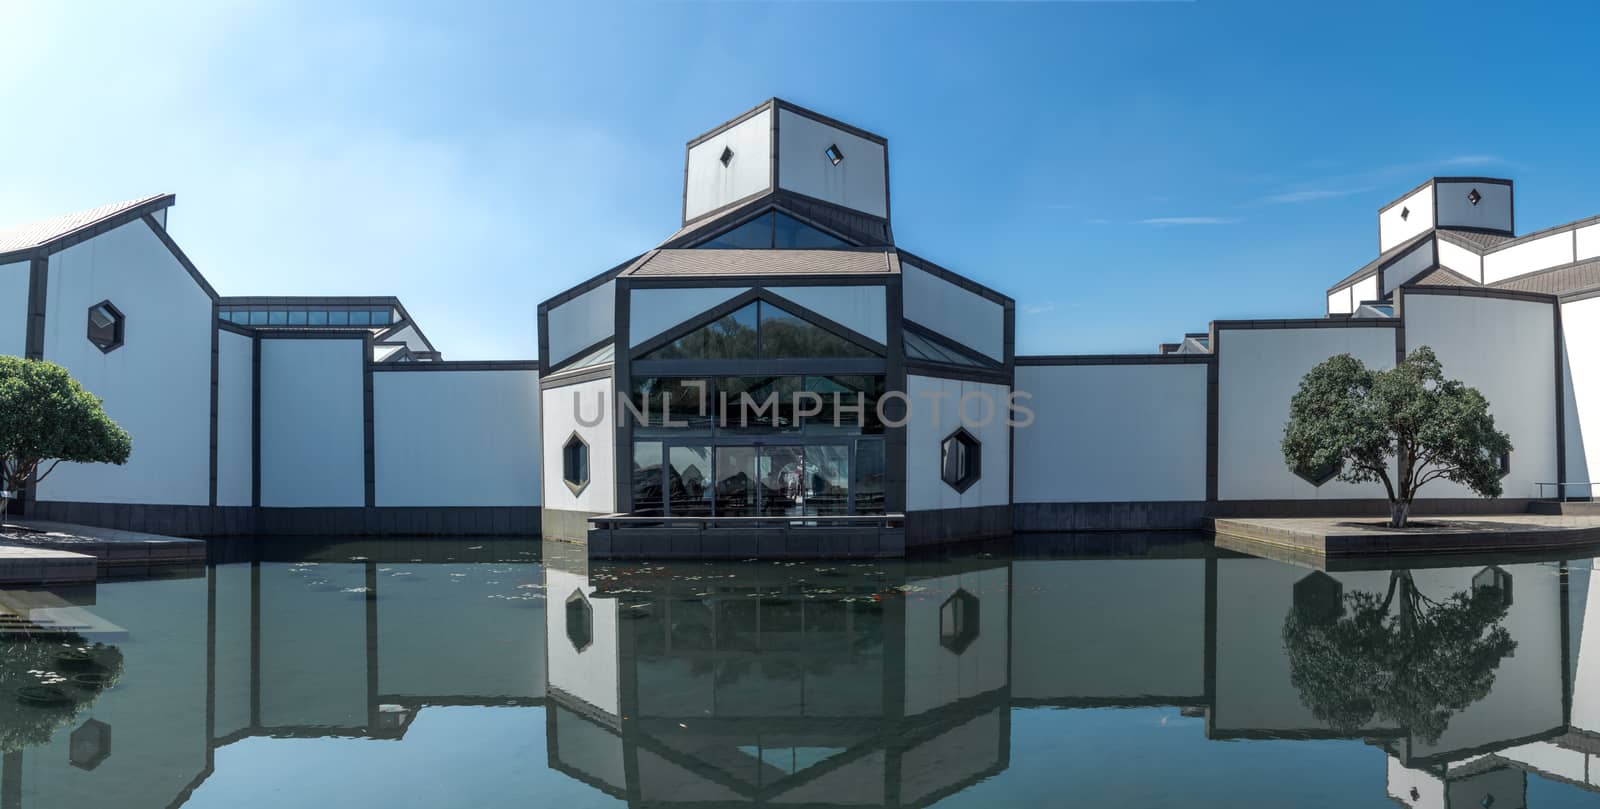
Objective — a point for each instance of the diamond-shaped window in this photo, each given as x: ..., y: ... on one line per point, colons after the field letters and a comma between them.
x: 1318, y: 475
x: 575, y: 463
x: 960, y: 460
x: 1474, y: 197
x: 834, y: 155
x: 580, y: 621
x: 958, y: 621
x: 1405, y: 213
x: 727, y: 155
x: 105, y: 326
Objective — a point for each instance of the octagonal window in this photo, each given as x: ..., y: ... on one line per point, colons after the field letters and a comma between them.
x: 958, y: 621
x: 105, y: 326
x: 1318, y: 475
x: 580, y: 621
x: 575, y: 463
x: 960, y: 460
x: 89, y: 745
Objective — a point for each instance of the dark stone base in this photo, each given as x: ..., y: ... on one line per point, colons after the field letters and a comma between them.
x: 947, y: 525
x: 1154, y: 515
x: 220, y: 521
x: 799, y: 542
x: 1442, y: 507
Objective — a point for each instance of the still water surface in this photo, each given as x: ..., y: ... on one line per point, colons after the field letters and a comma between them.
x: 1053, y: 673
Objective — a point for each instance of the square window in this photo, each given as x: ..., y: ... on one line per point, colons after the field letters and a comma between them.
x: 834, y: 155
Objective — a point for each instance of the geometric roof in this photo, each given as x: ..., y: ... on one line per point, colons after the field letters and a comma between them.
x: 19, y: 238
x: 715, y: 262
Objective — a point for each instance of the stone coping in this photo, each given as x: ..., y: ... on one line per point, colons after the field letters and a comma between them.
x: 107, y: 545
x: 1328, y: 537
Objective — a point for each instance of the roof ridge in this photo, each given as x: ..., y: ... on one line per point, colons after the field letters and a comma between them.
x: 41, y: 233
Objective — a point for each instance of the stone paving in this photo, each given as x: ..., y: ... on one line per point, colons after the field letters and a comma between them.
x: 1345, y: 536
x: 42, y: 551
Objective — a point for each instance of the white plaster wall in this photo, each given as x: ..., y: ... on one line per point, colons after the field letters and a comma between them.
x: 711, y: 185
x: 859, y: 181
x: 591, y: 674
x: 456, y: 438
x: 560, y: 416
x: 1364, y: 290
x: 1493, y: 211
x: 157, y: 385
x: 1409, y: 266
x: 1455, y: 257
x: 1586, y: 650
x: 653, y: 311
x: 1588, y: 242
x: 1259, y: 371
x: 937, y: 676
x: 1401, y: 782
x: 14, y: 308
x: 1146, y: 639
x: 1393, y: 230
x: 235, y: 418
x: 1106, y: 433
x: 410, y: 337
x: 862, y: 308
x: 313, y: 440
x: 968, y: 318
x: 1580, y: 326
x: 1548, y: 251
x: 1504, y: 348
x: 926, y: 431
x: 1339, y: 302
x: 582, y: 321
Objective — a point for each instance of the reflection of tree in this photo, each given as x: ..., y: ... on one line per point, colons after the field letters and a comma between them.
x: 45, y: 683
x: 1353, y: 660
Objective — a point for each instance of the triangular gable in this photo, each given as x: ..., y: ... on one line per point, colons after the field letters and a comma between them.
x: 759, y: 324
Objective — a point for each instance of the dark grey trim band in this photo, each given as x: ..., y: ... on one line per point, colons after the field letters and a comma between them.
x: 38, y: 293
x: 177, y: 253
x: 1304, y: 323
x: 1115, y: 359
x: 456, y: 365
x: 216, y: 354
x: 90, y: 231
x: 577, y: 377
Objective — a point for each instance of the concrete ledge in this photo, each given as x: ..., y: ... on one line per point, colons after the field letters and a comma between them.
x: 109, y: 547
x: 218, y: 521
x: 792, y: 542
x: 1374, y: 508
x: 1333, y: 537
x: 1147, y: 515
x: 29, y: 565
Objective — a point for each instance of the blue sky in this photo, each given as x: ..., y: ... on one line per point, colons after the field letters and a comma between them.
x: 1126, y: 171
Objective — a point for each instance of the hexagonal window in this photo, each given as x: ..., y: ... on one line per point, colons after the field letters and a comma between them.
x: 1318, y: 599
x: 1505, y: 464
x: 1494, y: 583
x: 580, y: 621
x: 958, y: 621
x: 1318, y: 475
x: 89, y: 745
x: 960, y: 460
x: 575, y: 463
x: 105, y: 326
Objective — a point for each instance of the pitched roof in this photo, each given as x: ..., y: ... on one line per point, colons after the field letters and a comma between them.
x: 33, y: 235
x: 1478, y: 240
x: 679, y: 263
x: 1384, y: 259
x: 1558, y: 280
x: 1441, y: 277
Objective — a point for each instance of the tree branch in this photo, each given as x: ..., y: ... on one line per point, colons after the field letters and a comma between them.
x: 53, y: 465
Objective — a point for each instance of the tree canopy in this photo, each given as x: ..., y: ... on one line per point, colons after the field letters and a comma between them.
x: 46, y: 416
x: 1403, y: 427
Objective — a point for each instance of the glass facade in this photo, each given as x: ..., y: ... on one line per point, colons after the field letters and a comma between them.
x: 773, y: 231
x: 307, y: 315
x: 759, y: 331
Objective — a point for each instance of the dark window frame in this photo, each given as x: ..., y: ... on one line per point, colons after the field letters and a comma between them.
x: 970, y: 469
x: 99, y: 336
x: 575, y: 472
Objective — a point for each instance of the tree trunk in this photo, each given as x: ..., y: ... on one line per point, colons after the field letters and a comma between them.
x: 5, y: 505
x: 1399, y: 511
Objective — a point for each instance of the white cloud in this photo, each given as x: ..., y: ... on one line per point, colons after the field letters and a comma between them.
x: 1191, y: 220
x: 1313, y: 195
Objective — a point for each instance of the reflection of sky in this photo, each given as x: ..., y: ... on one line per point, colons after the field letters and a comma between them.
x: 472, y: 756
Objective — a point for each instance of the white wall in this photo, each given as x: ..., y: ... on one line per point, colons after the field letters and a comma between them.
x: 1504, y: 348
x: 1580, y: 327
x: 858, y: 182
x: 1339, y: 301
x: 1393, y: 230
x: 1409, y: 266
x: 1364, y: 290
x: 157, y: 385
x: 926, y: 431
x: 1493, y: 211
x: 14, y: 308
x: 592, y: 673
x: 862, y: 308
x: 711, y: 185
x: 937, y: 676
x: 1548, y: 251
x: 1588, y: 242
x: 312, y: 423
x: 966, y: 317
x: 1106, y: 433
x: 235, y: 418
x: 582, y: 321
x: 456, y: 438
x: 1455, y: 257
x: 1259, y: 371
x: 653, y: 311
x: 560, y: 416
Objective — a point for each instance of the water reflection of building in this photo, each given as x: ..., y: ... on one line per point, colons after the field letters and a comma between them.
x: 892, y: 683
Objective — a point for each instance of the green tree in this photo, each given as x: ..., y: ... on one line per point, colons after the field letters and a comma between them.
x: 1404, y: 427
x: 47, y: 417
x: 1400, y: 658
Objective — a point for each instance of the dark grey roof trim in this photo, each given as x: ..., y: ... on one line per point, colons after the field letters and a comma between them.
x: 1114, y: 359
x: 1538, y: 234
x: 955, y: 278
x: 739, y: 302
x: 939, y: 370
x: 581, y: 354
x: 730, y: 123
x: 589, y: 285
x: 766, y: 263
x: 228, y: 326
x: 177, y: 253
x: 1475, y: 292
x: 1478, y: 240
x: 576, y: 377
x: 90, y: 230
x: 460, y: 365
x: 833, y: 122
x: 1305, y: 323
x: 1384, y: 261
x: 1397, y: 200
x: 850, y: 225
x: 1421, y: 280
x: 978, y: 359
x: 1425, y: 183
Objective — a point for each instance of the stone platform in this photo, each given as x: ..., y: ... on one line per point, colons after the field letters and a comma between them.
x: 1330, y: 537
x: 26, y: 545
x: 24, y: 565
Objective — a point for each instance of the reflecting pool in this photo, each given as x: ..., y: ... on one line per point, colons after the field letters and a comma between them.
x: 1148, y: 671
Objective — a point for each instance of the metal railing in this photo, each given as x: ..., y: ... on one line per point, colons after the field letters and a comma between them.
x: 1564, y: 490
x: 613, y: 521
